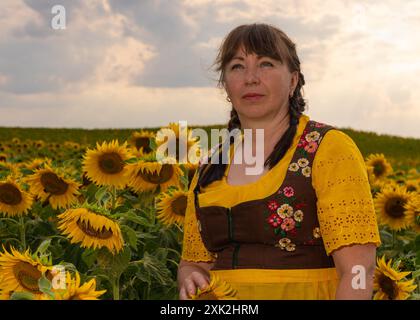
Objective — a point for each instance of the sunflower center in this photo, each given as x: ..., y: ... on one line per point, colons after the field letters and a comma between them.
x: 111, y: 163
x: 27, y: 276
x: 90, y: 231
x: 179, y: 205
x: 208, y: 296
x: 10, y: 195
x: 395, y: 207
x: 143, y: 142
x: 411, y: 188
x: 53, y: 184
x: 378, y: 169
x: 163, y: 176
x: 388, y: 286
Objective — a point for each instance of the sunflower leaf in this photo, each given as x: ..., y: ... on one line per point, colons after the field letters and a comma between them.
x: 131, y: 216
x: 22, y: 296
x: 131, y: 160
x: 152, y: 144
x: 100, y: 194
x: 130, y: 236
x: 42, y: 248
x: 89, y: 257
x: 45, y: 286
x: 417, y: 243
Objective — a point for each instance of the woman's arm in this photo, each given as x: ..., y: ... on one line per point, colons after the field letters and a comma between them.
x: 192, y: 275
x: 355, y: 266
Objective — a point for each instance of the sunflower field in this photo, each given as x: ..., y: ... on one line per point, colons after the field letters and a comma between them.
x: 104, y: 220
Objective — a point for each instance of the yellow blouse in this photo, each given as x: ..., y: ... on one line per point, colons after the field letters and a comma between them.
x: 345, y: 212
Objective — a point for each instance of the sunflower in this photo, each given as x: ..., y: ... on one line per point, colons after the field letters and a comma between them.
x: 105, y: 165
x: 171, y: 207
x: 37, y: 163
x: 216, y: 290
x: 413, y: 212
x: 9, y: 169
x: 149, y: 175
x: 91, y: 229
x: 20, y: 272
x: 390, y: 207
x: 378, y: 167
x: 140, y: 142
x: 164, y: 135
x: 3, y: 157
x: 388, y: 282
x: 49, y: 185
x: 38, y: 144
x: 13, y: 200
x: 412, y: 185
x: 75, y: 291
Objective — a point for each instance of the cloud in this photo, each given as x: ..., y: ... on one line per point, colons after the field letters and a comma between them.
x: 113, y: 106
x: 122, y: 63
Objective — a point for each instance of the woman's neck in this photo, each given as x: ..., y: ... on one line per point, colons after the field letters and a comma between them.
x: 274, y: 129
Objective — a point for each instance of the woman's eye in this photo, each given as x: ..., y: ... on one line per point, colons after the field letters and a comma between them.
x: 267, y: 63
x: 235, y: 66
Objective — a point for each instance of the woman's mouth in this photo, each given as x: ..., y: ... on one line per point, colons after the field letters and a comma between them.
x: 253, y: 97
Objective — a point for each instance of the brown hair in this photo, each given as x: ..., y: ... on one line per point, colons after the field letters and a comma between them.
x: 265, y: 40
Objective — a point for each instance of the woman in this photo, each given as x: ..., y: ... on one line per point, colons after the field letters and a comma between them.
x: 305, y: 228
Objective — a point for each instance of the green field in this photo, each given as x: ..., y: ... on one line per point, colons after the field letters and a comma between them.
x: 404, y: 153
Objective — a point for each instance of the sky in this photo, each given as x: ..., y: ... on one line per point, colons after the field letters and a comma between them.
x: 145, y: 63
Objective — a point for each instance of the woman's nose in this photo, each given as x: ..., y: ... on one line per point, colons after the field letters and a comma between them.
x: 252, y: 76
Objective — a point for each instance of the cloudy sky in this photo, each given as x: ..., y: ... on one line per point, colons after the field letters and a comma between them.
x: 142, y: 63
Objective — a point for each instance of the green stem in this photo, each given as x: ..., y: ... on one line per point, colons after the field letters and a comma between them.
x: 116, y: 288
x: 22, y: 232
x: 114, y: 197
x: 393, y: 238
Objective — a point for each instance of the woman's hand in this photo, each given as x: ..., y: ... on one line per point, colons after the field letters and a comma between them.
x: 192, y: 276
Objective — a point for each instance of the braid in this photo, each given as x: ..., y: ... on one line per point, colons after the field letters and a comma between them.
x: 296, y: 108
x: 215, y: 171
x: 234, y: 120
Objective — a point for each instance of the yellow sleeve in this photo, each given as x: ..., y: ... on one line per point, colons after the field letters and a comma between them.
x: 193, y: 248
x: 345, y: 208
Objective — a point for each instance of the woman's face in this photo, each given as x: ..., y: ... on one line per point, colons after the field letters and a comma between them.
x: 268, y: 78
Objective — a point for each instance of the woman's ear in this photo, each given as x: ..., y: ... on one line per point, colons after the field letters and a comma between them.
x: 293, y: 82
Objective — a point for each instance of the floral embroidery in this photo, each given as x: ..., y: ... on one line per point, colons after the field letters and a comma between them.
x: 288, y: 224
x: 303, y: 162
x: 306, y: 171
x: 298, y: 216
x: 291, y: 247
x: 317, y: 233
x: 313, y: 136
x: 282, y: 216
x: 285, y: 211
x: 273, y: 205
x: 293, y: 166
x: 307, y: 145
x: 286, y: 244
x: 289, y: 192
x: 275, y: 220
x: 311, y: 147
x: 285, y: 214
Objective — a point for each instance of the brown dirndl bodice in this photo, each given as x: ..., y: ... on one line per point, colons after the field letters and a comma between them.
x: 280, y: 231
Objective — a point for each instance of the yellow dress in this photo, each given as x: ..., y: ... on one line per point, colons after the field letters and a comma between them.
x: 339, y: 178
